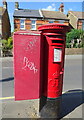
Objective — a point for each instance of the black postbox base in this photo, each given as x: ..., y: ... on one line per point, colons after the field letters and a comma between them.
x: 50, y: 108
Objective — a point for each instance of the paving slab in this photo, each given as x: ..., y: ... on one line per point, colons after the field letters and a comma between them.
x: 20, y: 109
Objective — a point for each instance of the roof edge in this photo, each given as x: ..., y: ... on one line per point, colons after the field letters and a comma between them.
x: 40, y: 12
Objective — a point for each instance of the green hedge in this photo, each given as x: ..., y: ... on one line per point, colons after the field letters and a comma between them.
x: 74, y: 34
x: 7, y: 46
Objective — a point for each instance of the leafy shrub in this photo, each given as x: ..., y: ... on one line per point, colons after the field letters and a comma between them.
x: 7, y: 46
x: 75, y: 34
x: 67, y: 45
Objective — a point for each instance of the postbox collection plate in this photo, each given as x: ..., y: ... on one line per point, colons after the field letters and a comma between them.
x: 57, y: 54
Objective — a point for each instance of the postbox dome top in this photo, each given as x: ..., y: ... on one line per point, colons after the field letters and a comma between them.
x: 54, y: 26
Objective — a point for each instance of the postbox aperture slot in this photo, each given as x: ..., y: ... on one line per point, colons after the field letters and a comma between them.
x: 55, y: 36
x: 57, y: 54
x: 57, y: 41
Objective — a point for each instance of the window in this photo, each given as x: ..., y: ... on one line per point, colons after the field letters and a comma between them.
x: 51, y: 21
x: 61, y: 21
x: 33, y: 24
x: 22, y: 24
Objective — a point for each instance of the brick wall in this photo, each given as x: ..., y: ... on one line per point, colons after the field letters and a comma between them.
x: 16, y: 24
x: 27, y: 24
x: 39, y: 22
x: 79, y: 24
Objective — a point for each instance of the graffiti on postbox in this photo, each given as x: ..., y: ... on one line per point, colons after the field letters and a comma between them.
x: 30, y: 65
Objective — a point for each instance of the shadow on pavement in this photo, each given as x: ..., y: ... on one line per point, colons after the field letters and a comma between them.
x: 63, y: 105
x: 7, y: 79
x: 71, y: 100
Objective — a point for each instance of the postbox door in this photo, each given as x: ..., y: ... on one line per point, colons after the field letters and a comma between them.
x: 58, y: 56
x: 55, y: 68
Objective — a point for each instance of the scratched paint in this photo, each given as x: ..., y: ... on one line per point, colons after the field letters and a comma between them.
x: 29, y: 65
x: 52, y: 82
x: 55, y: 73
x: 31, y: 44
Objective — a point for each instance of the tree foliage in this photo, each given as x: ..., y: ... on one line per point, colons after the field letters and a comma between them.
x: 7, y: 45
x: 75, y: 34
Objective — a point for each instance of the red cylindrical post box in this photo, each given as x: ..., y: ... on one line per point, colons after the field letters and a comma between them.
x: 54, y: 36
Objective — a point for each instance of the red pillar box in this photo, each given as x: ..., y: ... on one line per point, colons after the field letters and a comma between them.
x: 54, y: 53
x: 27, y: 65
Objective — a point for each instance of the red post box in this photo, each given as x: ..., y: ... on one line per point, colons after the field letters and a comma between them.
x: 39, y: 62
x: 54, y: 36
x: 27, y: 64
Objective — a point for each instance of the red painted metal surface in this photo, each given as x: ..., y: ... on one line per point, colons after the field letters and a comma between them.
x: 54, y: 53
x: 27, y: 65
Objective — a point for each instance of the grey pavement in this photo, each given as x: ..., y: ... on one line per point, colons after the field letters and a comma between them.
x: 20, y: 109
x: 7, y: 77
x: 72, y: 98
